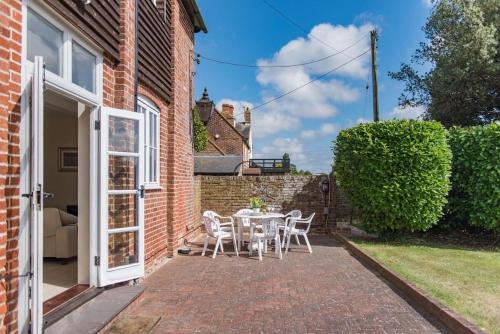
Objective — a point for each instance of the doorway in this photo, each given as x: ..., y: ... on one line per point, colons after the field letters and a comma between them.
x: 66, y: 244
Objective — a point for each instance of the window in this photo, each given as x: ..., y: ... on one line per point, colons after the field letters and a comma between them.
x: 83, y: 67
x: 45, y: 40
x: 64, y: 54
x: 152, y: 141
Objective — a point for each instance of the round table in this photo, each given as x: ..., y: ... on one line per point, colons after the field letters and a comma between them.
x: 253, y: 217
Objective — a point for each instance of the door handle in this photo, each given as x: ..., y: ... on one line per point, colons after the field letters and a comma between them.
x: 35, y: 195
x: 141, y: 191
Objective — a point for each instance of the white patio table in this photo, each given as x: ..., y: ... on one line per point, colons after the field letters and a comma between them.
x: 254, y: 219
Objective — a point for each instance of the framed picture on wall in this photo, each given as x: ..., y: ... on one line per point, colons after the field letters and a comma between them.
x: 68, y: 159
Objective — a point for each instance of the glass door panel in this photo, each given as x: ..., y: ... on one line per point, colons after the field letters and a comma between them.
x: 122, y: 225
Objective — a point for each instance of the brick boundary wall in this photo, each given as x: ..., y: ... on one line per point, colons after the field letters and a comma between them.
x: 227, y: 194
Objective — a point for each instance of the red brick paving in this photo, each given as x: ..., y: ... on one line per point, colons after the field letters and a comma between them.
x: 328, y: 291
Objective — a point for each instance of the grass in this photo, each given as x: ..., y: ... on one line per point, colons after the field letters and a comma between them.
x: 465, y: 278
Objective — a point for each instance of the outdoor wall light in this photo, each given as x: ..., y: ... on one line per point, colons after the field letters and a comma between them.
x: 217, y: 136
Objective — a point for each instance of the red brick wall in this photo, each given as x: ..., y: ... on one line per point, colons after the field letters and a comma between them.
x: 169, y: 210
x: 156, y: 205
x: 180, y: 187
x: 229, y: 140
x: 10, y: 96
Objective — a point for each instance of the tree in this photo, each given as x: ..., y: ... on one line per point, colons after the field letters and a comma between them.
x: 293, y: 167
x: 462, y: 86
x: 200, y: 132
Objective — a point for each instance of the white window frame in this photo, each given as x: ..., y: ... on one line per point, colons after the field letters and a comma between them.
x: 149, y: 107
x: 64, y: 81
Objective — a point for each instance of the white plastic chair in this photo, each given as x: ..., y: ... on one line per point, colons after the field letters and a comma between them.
x: 282, y: 223
x: 220, y: 219
x: 244, y: 223
x: 291, y: 229
x: 217, y: 230
x: 269, y: 232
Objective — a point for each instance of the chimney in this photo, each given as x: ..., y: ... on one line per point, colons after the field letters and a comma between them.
x: 228, y: 113
x: 248, y: 115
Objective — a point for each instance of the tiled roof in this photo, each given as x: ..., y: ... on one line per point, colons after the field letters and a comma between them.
x: 217, y: 164
x: 244, y: 129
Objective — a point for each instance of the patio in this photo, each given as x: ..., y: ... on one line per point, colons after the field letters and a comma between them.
x: 326, y: 291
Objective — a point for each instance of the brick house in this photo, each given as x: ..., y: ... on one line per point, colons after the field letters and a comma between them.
x: 229, y: 145
x: 96, y: 153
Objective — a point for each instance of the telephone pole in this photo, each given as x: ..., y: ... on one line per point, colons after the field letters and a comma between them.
x: 373, y: 37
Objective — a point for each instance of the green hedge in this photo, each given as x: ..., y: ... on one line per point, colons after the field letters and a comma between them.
x: 395, y: 172
x: 475, y: 194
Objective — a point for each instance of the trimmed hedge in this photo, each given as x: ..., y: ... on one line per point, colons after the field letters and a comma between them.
x: 475, y: 194
x: 395, y: 172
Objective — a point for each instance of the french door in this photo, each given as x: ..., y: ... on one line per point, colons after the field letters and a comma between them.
x: 36, y: 194
x: 121, y: 202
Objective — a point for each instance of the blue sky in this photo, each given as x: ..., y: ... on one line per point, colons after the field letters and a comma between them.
x: 305, y: 123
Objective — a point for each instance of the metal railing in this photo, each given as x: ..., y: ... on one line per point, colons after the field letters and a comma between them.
x: 270, y: 165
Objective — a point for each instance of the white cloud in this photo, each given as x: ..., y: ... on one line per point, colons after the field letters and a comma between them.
x: 317, y: 99
x: 266, y: 123
x: 325, y: 130
x: 406, y: 113
x: 275, y: 149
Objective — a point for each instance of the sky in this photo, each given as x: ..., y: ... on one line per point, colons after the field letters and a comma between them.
x: 306, y: 122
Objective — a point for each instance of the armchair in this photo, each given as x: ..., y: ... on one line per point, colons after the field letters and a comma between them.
x: 60, y: 234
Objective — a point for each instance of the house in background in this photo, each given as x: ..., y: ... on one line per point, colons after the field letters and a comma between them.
x: 229, y: 148
x: 229, y: 145
x: 97, y: 153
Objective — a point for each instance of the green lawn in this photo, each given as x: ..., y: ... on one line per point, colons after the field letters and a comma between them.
x: 466, y: 279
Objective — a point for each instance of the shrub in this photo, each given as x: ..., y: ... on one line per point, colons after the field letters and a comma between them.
x: 395, y: 172
x: 475, y: 194
x: 200, y: 132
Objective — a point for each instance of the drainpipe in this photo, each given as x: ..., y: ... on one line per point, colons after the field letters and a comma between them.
x: 136, y: 54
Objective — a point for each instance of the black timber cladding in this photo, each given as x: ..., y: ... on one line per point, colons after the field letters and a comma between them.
x: 155, y: 47
x: 100, y: 20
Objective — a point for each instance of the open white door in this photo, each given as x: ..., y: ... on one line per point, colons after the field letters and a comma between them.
x: 36, y: 224
x: 121, y: 227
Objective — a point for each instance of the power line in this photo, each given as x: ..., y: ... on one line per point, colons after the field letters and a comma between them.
x: 302, y: 28
x: 307, y: 83
x: 279, y: 66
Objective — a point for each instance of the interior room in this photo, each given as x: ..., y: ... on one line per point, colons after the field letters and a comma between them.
x: 65, y: 247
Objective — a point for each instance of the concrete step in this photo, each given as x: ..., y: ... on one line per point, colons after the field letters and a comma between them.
x: 94, y: 315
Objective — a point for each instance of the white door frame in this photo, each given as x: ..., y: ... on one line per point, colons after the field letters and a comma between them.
x: 31, y: 237
x: 36, y: 194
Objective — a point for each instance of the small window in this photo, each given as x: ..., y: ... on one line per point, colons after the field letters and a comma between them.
x: 83, y: 67
x: 152, y: 141
x: 63, y: 52
x: 45, y: 40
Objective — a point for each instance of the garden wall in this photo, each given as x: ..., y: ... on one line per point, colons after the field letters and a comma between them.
x: 228, y: 194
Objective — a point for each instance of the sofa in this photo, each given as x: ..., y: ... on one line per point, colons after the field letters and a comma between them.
x: 60, y: 234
